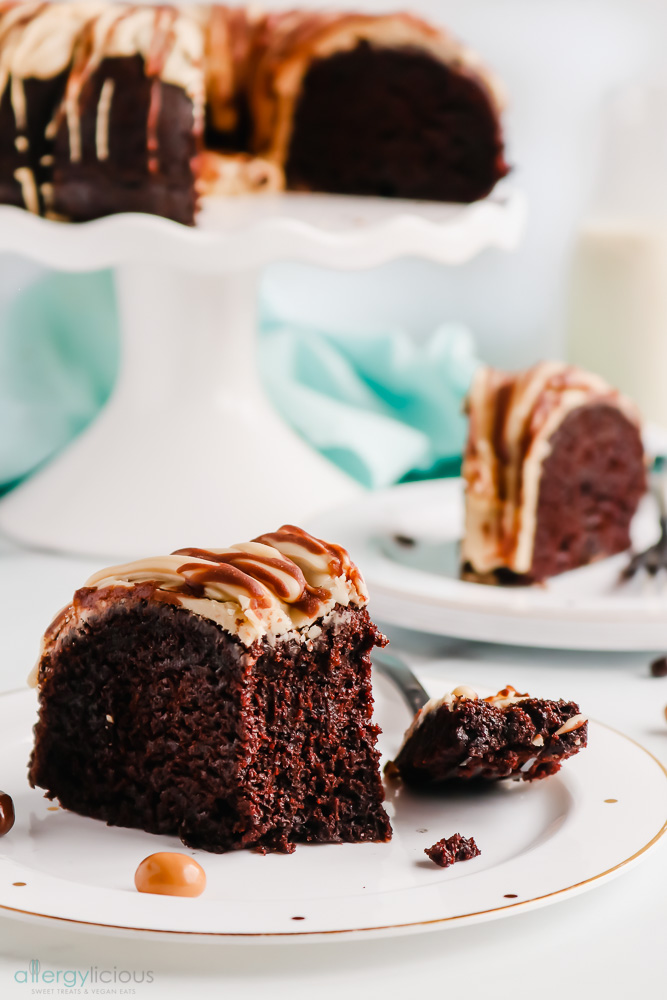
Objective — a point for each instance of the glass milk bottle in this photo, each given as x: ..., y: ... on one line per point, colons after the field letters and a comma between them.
x: 618, y: 294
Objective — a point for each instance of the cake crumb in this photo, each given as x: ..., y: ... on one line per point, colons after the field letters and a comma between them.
x: 449, y: 850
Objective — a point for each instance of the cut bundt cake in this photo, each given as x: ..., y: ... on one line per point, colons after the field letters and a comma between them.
x: 109, y: 108
x: 554, y: 470
x: 463, y: 737
x: 355, y: 104
x: 223, y: 696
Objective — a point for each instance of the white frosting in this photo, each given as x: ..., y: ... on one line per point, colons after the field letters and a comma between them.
x: 26, y: 179
x: 230, y: 174
x: 102, y: 120
x: 45, y: 45
x: 279, y: 587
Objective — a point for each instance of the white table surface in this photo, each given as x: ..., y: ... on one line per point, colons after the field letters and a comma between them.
x: 609, y: 942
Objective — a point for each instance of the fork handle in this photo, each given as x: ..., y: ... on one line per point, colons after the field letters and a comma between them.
x: 399, y: 672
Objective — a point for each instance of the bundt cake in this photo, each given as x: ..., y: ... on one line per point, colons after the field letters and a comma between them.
x: 110, y: 108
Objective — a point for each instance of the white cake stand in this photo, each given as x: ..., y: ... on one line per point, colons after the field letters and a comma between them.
x: 188, y: 451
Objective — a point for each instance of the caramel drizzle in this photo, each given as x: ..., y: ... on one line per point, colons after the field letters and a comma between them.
x: 198, y: 578
x: 86, y: 61
x: 246, y: 566
x: 90, y: 57
x: 339, y: 562
x: 161, y: 45
x: 288, y: 566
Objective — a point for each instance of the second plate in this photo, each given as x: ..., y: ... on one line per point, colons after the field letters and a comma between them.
x: 406, y: 539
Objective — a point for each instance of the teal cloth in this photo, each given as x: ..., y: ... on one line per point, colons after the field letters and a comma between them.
x: 378, y: 404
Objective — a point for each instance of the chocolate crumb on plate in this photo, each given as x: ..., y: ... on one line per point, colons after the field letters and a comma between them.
x: 449, y: 850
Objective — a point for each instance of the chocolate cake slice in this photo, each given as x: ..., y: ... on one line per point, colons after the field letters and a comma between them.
x: 223, y: 696
x: 462, y: 737
x: 554, y: 470
x: 389, y: 105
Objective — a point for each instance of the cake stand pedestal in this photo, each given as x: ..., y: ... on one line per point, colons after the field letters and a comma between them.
x: 188, y: 451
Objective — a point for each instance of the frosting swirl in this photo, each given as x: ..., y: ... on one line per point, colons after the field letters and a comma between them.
x: 279, y: 583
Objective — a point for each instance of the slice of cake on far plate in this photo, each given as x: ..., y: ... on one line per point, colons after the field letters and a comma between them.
x: 223, y: 696
x: 554, y: 470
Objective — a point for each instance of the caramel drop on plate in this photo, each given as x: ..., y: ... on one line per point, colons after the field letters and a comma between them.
x: 168, y: 873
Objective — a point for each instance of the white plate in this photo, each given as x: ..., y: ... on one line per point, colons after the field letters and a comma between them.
x: 417, y: 586
x: 540, y: 843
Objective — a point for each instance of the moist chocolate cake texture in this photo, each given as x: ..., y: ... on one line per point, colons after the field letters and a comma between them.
x: 223, y: 696
x: 110, y: 108
x: 554, y: 470
x: 462, y: 737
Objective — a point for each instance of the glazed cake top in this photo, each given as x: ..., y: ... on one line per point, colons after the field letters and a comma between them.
x: 513, y: 418
x: 280, y: 583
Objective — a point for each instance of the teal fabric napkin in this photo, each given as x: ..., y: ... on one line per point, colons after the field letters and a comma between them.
x: 378, y: 404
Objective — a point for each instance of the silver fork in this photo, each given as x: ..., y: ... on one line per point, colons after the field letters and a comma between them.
x: 399, y: 672
x: 654, y: 558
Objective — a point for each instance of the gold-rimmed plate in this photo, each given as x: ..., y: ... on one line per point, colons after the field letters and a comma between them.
x: 540, y: 843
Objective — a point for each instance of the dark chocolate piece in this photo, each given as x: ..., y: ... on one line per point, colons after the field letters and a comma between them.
x: 7, y: 815
x: 659, y: 667
x: 449, y: 850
